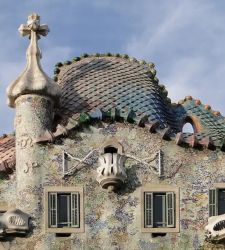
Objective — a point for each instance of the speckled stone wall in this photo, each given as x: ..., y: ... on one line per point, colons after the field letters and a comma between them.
x: 33, y: 115
x: 113, y: 220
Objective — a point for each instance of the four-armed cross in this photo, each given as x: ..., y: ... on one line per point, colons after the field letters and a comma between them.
x: 33, y: 25
x: 33, y: 79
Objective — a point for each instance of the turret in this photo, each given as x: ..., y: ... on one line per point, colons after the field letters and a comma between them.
x: 34, y: 96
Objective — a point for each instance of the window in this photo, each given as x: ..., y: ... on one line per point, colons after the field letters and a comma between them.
x: 64, y: 209
x: 160, y: 209
x: 191, y: 125
x: 188, y: 128
x: 111, y: 146
x: 111, y: 150
x: 217, y: 201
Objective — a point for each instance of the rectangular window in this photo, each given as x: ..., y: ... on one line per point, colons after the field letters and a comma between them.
x: 64, y: 209
x: 216, y: 201
x: 160, y: 209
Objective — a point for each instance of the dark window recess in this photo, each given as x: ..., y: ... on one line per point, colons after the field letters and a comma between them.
x: 159, y: 209
x: 64, y: 206
x: 61, y: 235
x: 154, y: 235
x: 221, y: 201
x: 111, y: 150
x: 216, y: 202
x: 159, y: 204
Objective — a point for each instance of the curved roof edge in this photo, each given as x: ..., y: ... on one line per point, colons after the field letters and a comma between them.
x: 108, y: 54
x: 203, y: 118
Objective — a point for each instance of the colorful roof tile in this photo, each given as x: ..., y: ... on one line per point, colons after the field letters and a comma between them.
x: 109, y: 82
x: 116, y: 84
x: 122, y: 88
x: 204, y: 119
x: 7, y: 153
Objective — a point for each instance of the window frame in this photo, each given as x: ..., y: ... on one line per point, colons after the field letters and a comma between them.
x: 215, y: 188
x: 158, y: 188
x: 61, y: 190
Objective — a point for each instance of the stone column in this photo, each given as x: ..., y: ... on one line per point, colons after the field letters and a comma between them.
x: 34, y: 95
x: 33, y: 116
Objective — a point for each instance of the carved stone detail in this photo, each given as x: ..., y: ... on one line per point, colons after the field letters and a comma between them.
x: 25, y: 141
x: 14, y: 221
x: 215, y: 230
x: 111, y: 172
x: 31, y: 165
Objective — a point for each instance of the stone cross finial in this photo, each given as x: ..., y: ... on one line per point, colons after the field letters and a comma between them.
x: 33, y: 79
x: 33, y: 24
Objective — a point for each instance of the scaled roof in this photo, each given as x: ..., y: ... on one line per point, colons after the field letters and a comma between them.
x: 7, y: 153
x: 117, y: 83
x: 124, y: 89
x: 114, y: 82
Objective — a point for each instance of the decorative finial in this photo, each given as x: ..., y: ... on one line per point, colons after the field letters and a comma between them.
x: 33, y: 80
x: 33, y: 24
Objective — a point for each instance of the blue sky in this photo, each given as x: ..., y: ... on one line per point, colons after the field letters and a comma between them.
x: 185, y: 40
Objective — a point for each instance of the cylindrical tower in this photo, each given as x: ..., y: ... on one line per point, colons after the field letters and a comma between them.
x: 34, y: 96
x: 33, y: 117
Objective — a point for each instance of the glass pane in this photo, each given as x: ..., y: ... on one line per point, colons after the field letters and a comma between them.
x: 159, y: 210
x: 221, y: 201
x: 64, y: 210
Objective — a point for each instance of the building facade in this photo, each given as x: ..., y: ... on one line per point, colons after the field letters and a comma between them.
x: 100, y: 159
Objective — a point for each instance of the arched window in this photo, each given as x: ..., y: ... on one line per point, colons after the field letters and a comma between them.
x: 110, y: 149
x: 111, y: 146
x: 191, y: 125
x: 188, y: 128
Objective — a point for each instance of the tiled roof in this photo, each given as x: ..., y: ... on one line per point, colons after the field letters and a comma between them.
x: 109, y: 85
x: 7, y: 153
x: 108, y: 82
x: 211, y: 123
x: 122, y: 88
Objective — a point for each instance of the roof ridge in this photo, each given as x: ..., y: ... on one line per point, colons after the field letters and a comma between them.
x: 150, y: 65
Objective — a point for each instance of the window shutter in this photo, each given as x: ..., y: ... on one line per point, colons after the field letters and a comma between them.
x: 170, y: 210
x: 148, y: 218
x: 75, y: 210
x: 213, y: 208
x: 53, y: 209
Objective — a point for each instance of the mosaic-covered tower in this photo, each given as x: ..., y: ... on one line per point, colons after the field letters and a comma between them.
x: 34, y: 96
